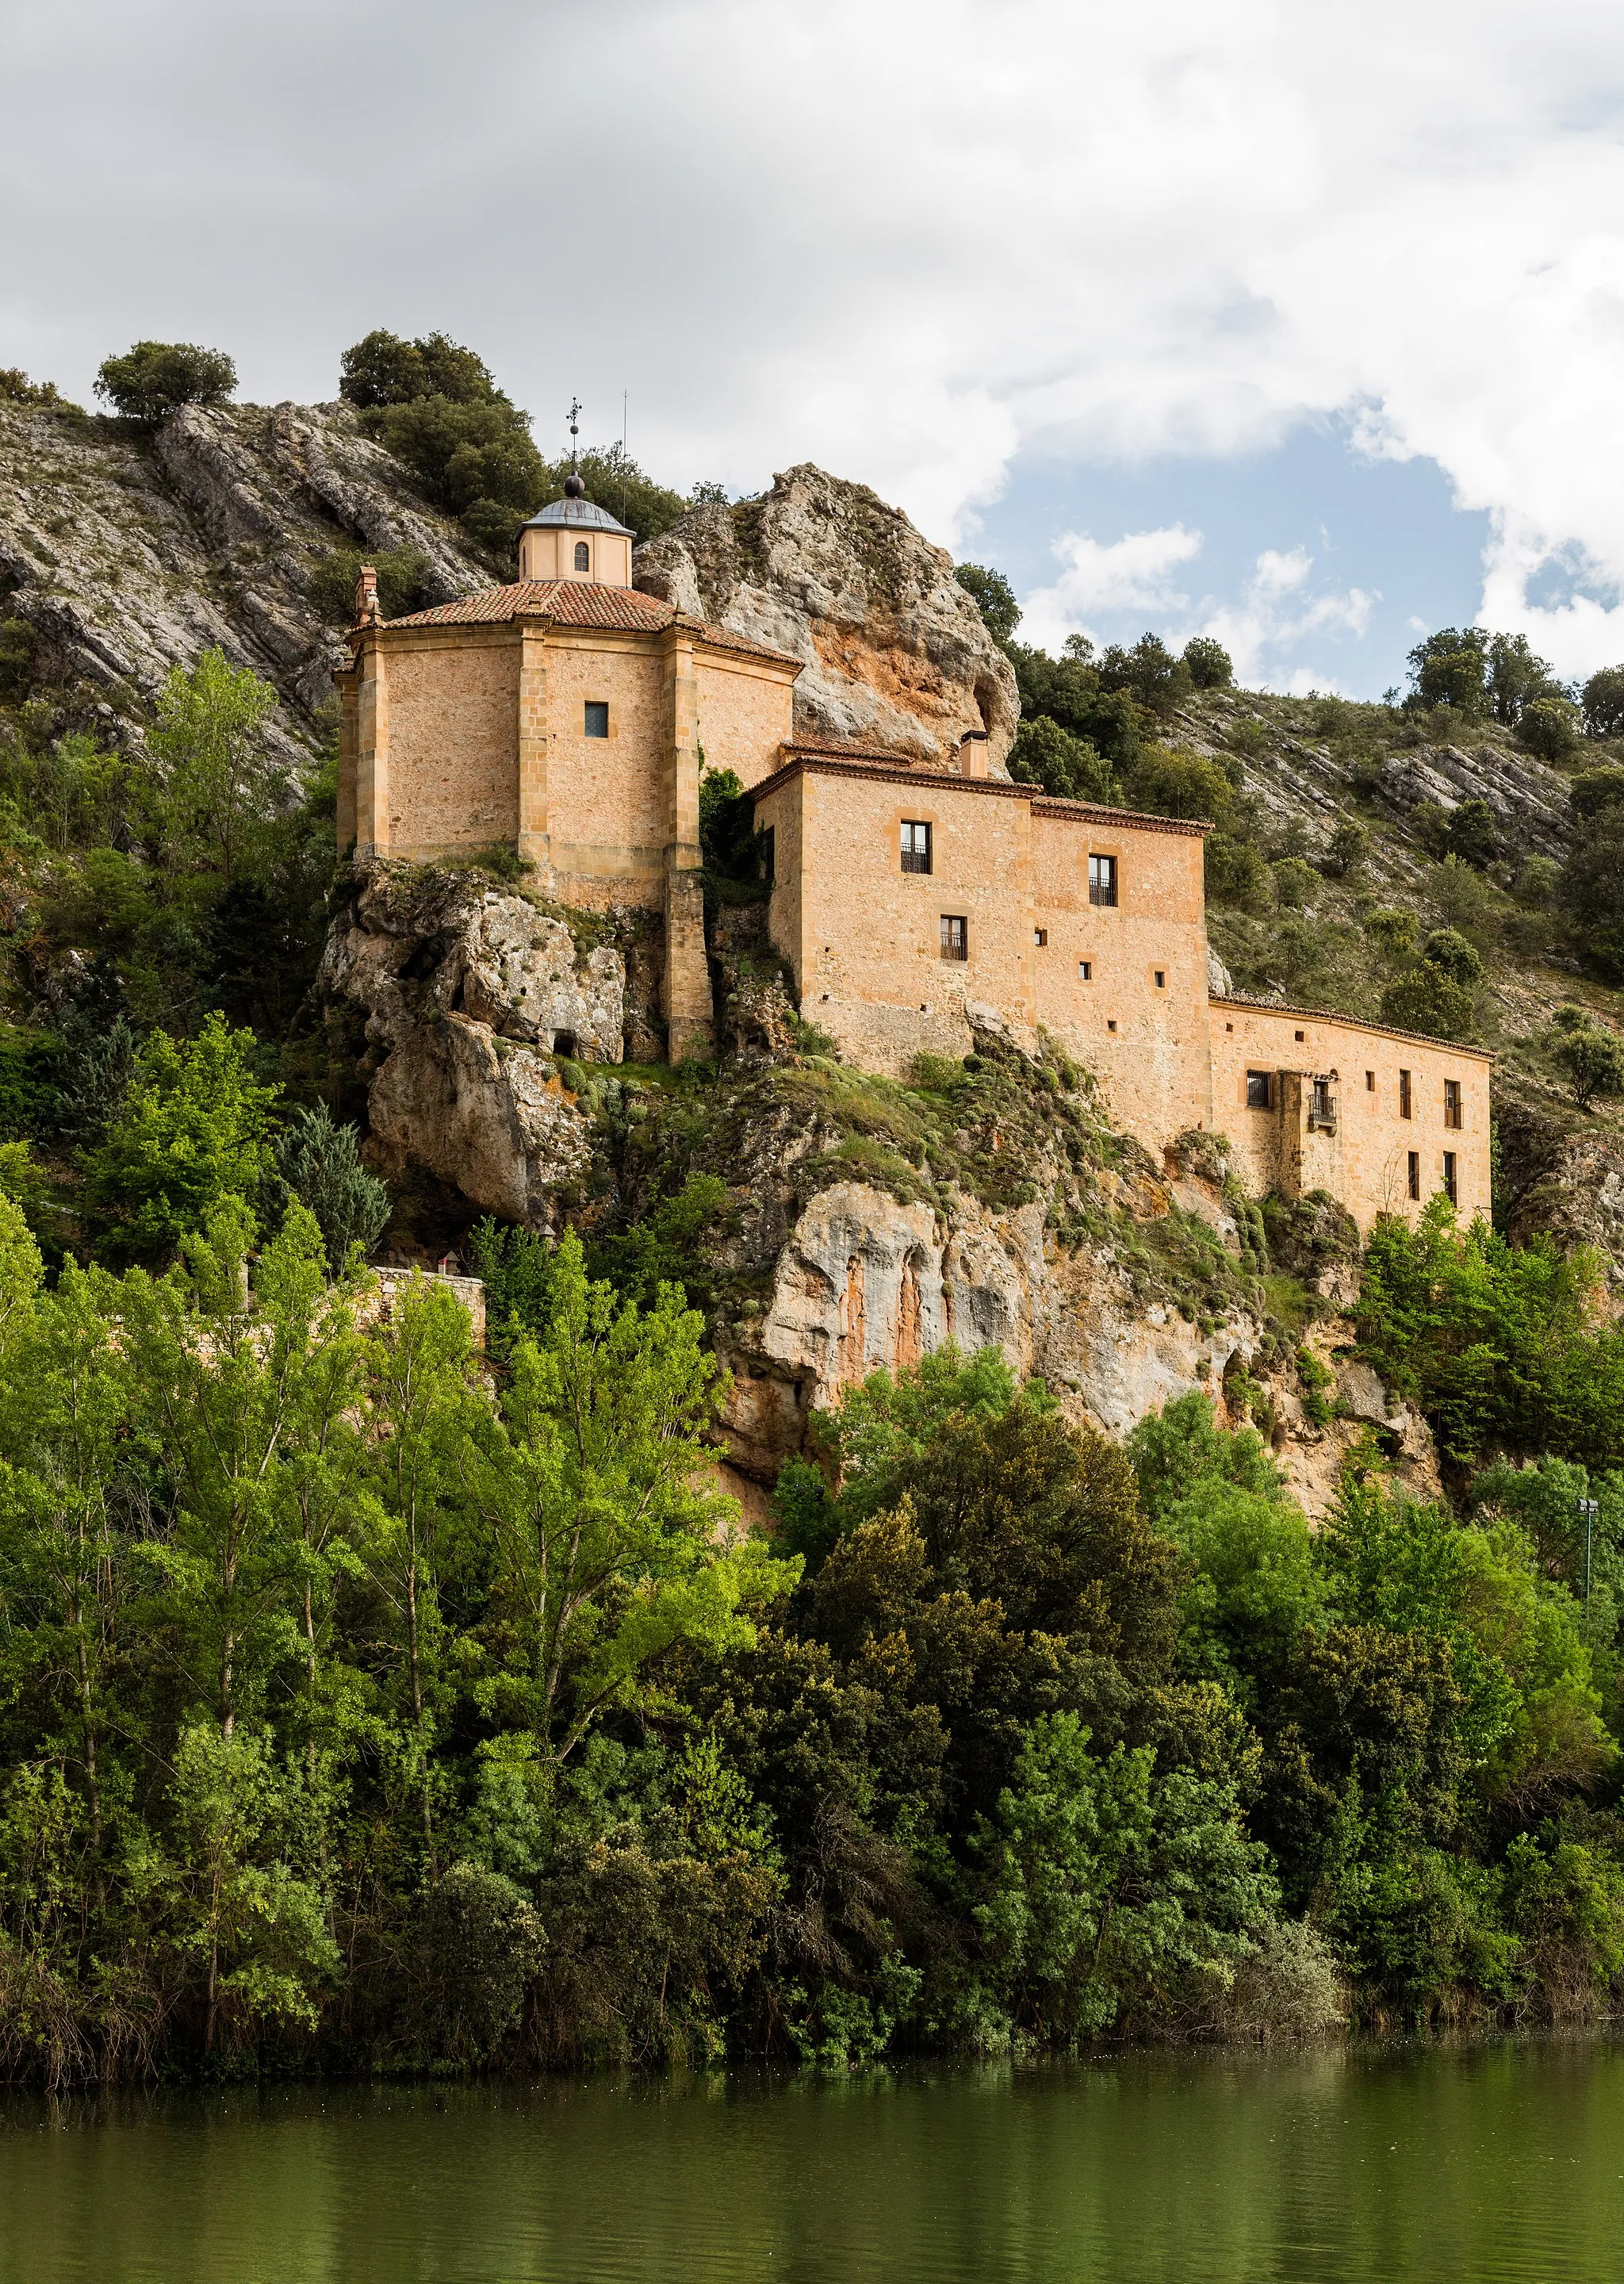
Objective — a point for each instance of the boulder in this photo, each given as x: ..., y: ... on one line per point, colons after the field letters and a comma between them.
x: 895, y: 653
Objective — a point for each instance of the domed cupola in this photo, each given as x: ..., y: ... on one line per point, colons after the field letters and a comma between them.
x: 571, y: 538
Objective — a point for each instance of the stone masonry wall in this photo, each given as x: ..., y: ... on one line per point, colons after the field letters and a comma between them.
x: 453, y: 740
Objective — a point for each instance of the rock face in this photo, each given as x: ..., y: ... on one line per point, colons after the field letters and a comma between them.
x: 896, y: 653
x: 468, y: 993
x: 127, y: 555
x: 1529, y: 800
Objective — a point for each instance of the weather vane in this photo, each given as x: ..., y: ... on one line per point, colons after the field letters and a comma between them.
x: 574, y: 416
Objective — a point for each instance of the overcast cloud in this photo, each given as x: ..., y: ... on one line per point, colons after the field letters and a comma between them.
x: 910, y: 241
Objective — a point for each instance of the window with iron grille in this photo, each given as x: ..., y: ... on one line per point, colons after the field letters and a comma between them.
x: 954, y: 936
x: 1257, y: 1090
x: 1102, y: 879
x: 915, y: 847
x: 1448, y: 1177
x: 1451, y: 1102
x: 598, y: 717
x: 583, y: 556
x: 1322, y: 1098
x: 1404, y: 1101
x: 1414, y: 1173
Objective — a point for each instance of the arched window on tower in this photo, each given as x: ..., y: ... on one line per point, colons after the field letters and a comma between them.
x: 583, y: 556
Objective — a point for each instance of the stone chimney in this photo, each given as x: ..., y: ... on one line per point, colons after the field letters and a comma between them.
x: 367, y: 612
x: 973, y: 754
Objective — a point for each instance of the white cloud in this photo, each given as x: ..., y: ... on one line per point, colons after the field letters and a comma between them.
x: 905, y: 240
x: 1276, y: 610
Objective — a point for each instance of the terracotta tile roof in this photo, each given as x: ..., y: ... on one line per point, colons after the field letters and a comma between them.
x: 582, y: 603
x: 1347, y: 1022
x: 841, y: 761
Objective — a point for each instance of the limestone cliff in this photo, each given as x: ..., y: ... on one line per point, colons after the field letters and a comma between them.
x: 896, y: 653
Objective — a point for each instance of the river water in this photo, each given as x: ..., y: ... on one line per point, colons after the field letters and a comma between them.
x: 1469, y: 2164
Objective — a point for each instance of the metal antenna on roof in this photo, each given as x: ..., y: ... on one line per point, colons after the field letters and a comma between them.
x: 625, y: 402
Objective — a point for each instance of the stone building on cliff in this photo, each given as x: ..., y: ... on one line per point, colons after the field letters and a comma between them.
x: 567, y: 717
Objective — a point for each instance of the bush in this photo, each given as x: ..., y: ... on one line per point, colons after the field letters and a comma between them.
x: 1473, y: 834
x: 155, y: 378
x: 1237, y: 874
x: 1169, y: 781
x: 1591, y: 1058
x: 1210, y: 665
x: 1433, y: 1004
x: 1549, y: 728
x: 1066, y: 767
x: 994, y: 597
x: 1592, y: 791
x: 1346, y: 849
x: 1295, y: 881
x: 320, y: 1164
x: 1602, y: 703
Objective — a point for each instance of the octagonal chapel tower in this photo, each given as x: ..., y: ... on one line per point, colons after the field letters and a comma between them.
x: 572, y: 538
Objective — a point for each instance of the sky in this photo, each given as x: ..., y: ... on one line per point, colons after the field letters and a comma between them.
x: 1301, y: 324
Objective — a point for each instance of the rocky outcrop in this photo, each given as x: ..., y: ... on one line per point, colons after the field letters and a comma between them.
x: 1528, y: 798
x: 896, y: 653
x: 127, y: 555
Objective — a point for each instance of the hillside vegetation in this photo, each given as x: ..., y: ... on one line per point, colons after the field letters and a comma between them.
x: 370, y: 1702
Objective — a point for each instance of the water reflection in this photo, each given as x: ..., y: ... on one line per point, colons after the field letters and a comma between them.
x: 1503, y: 2161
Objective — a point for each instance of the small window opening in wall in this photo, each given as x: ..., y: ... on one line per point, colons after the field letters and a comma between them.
x: 954, y: 936
x: 1320, y: 1108
x: 1257, y: 1090
x: 1161, y: 979
x: 1414, y: 1173
x: 583, y: 556
x: 1040, y: 935
x: 1448, y: 1176
x: 1111, y: 1022
x: 564, y: 1043
x: 1296, y: 1035
x: 1369, y: 1082
x: 598, y: 717
x: 1451, y: 1102
x: 1102, y: 879
x: 915, y: 847
x: 1404, y: 1101
x: 1229, y: 1026
x: 1085, y: 970
x: 764, y: 857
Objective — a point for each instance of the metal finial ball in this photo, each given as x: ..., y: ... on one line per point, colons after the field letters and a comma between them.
x: 574, y: 489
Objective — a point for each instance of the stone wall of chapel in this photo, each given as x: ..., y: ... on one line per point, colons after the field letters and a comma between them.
x: 453, y: 742
x: 605, y: 805
x: 746, y: 714
x: 1144, y: 1039
x: 1366, y: 1162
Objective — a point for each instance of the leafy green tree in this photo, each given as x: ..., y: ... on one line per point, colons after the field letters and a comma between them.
x: 1066, y: 767
x: 1068, y: 690
x: 320, y: 1164
x: 219, y: 781
x: 1517, y: 678
x: 382, y: 369
x: 1436, y: 994
x: 1591, y: 1057
x: 193, y: 1129
x: 1149, y: 672
x: 1209, y: 664
x: 607, y: 1553
x: 1348, y: 849
x: 1237, y: 874
x: 1473, y: 834
x: 1450, y: 669
x: 1550, y: 727
x: 994, y: 597
x: 1592, y: 791
x: 1171, y: 781
x: 153, y: 379
x: 1602, y: 703
x: 1295, y: 881
x: 405, y: 580
x: 1591, y: 892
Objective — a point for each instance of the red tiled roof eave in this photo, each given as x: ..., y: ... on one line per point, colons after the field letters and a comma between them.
x: 1348, y: 1022
x: 582, y: 603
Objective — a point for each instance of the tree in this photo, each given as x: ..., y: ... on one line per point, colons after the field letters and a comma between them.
x: 1172, y: 781
x: 1517, y: 676
x: 1592, y: 889
x: 1549, y: 726
x: 220, y: 782
x: 1602, y: 703
x: 382, y: 369
x: 994, y: 597
x: 1435, y: 994
x: 1473, y: 834
x: 1592, y: 1057
x: 320, y: 1164
x: 607, y: 1552
x: 1149, y: 672
x: 1450, y: 669
x: 1346, y: 849
x: 155, y: 378
x: 193, y: 1129
x: 1592, y: 791
x: 1066, y: 767
x: 1210, y: 665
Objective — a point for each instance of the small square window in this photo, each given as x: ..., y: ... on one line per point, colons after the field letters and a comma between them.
x: 1257, y: 1090
x: 1405, y: 1105
x: 1414, y: 1173
x: 915, y: 847
x: 1111, y: 1022
x: 1085, y: 971
x: 1040, y: 935
x: 954, y: 936
x: 1369, y: 1082
x: 1296, y: 1035
x: 1448, y: 1177
x: 1102, y: 879
x: 1161, y: 979
x: 598, y: 717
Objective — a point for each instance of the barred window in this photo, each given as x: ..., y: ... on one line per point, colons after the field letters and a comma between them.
x: 1102, y: 879
x: 598, y: 717
x: 915, y: 847
x: 954, y: 936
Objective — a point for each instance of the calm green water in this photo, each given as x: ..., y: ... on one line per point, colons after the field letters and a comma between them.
x: 1505, y: 2162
